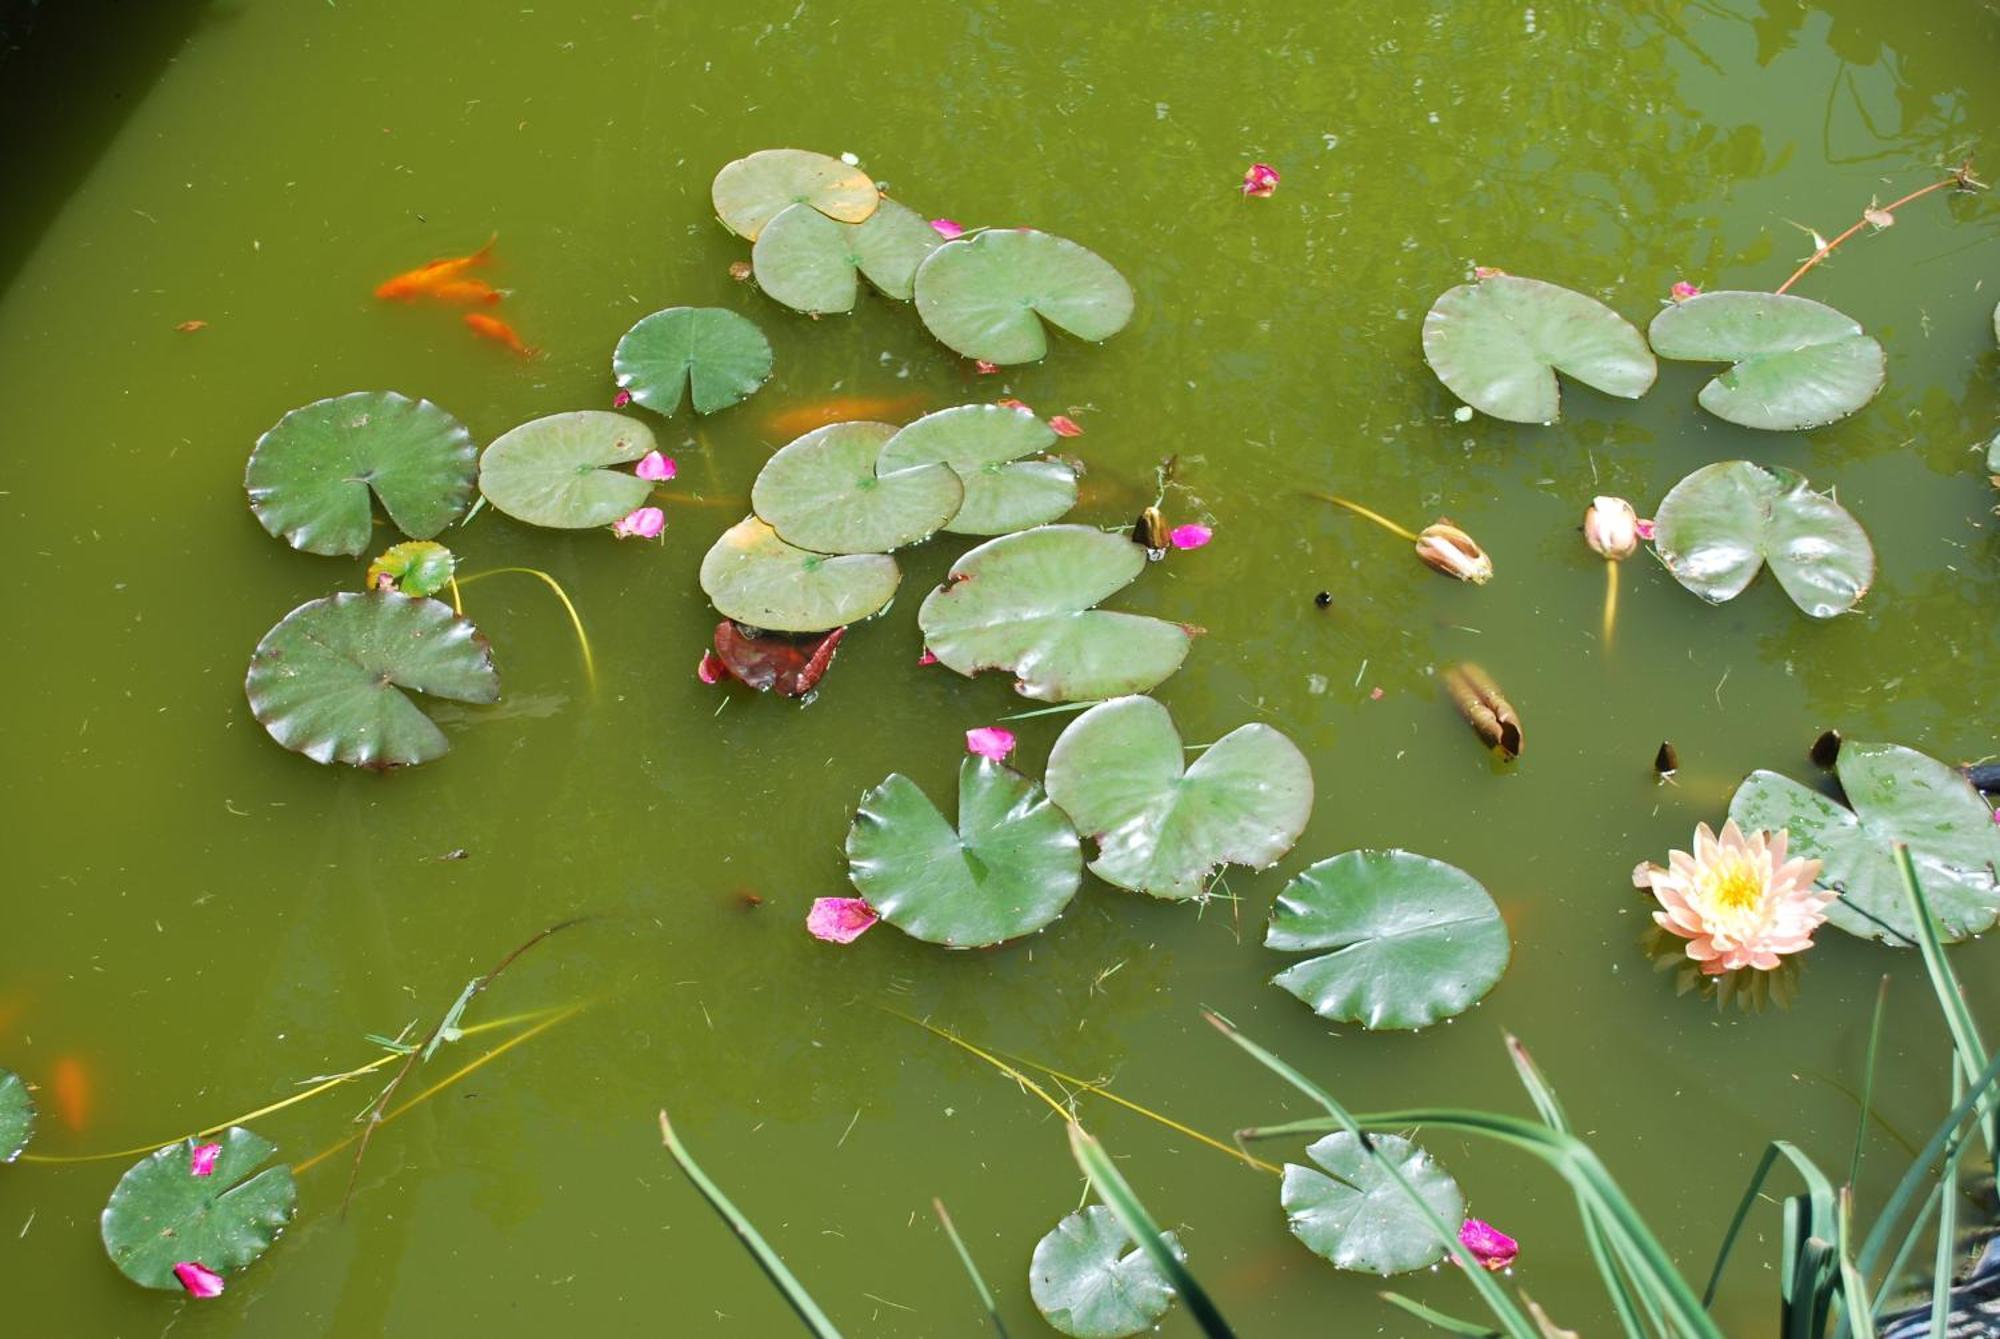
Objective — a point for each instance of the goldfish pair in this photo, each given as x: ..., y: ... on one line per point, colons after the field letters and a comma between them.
x: 446, y: 280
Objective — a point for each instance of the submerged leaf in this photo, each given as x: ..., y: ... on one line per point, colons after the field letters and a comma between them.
x: 751, y: 191
x: 828, y: 491
x: 984, y: 445
x: 986, y: 296
x: 1359, y: 1218
x: 161, y: 1216
x: 1498, y: 342
x: 1796, y: 363
x: 17, y: 1116
x: 1091, y: 1281
x: 1716, y: 527
x: 812, y: 263
x: 552, y: 471
x: 710, y: 355
x: 756, y: 578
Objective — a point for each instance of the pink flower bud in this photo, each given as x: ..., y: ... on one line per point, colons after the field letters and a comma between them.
x: 1450, y: 550
x: 948, y: 228
x: 1260, y: 180
x: 620, y: 400
x: 201, y: 1161
x: 1611, y: 528
x: 645, y: 523
x: 840, y: 920
x: 1645, y: 528
x: 1490, y: 1246
x: 1065, y: 427
x: 990, y: 741
x: 927, y: 658
x: 1190, y: 536
x: 655, y: 467
x: 199, y: 1280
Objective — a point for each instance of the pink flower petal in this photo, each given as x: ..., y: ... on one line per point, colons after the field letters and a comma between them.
x: 711, y: 670
x: 655, y: 467
x: 1488, y: 272
x: 1644, y: 528
x: 1260, y: 180
x: 1683, y: 290
x: 990, y: 741
x: 1190, y: 536
x: 620, y: 400
x: 1012, y: 404
x: 645, y: 523
x: 1065, y: 427
x: 199, y: 1280
x: 839, y: 920
x: 1490, y: 1246
x: 984, y: 368
x: 201, y: 1162
x: 1375, y: 695
x: 927, y: 658
x: 948, y: 228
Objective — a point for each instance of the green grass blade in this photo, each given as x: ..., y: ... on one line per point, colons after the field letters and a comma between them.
x: 971, y: 1270
x: 1918, y: 1172
x: 760, y: 1250
x: 1853, y: 1288
x: 1743, y: 1207
x: 1438, y: 1319
x: 1947, y: 1231
x: 1868, y: 1078
x: 1907, y: 1248
x: 1965, y: 1039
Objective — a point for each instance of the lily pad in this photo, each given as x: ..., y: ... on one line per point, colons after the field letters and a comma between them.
x: 983, y: 444
x: 1716, y: 527
x: 826, y: 492
x: 1359, y: 1218
x: 709, y: 354
x: 986, y: 296
x: 1414, y: 940
x: 327, y: 681
x: 17, y: 1116
x: 1898, y: 795
x: 758, y: 579
x: 1090, y: 1280
x: 311, y: 476
x: 788, y: 664
x: 1024, y: 602
x: 812, y: 263
x: 1497, y: 344
x: 551, y: 471
x: 1797, y: 363
x: 161, y: 1214
x: 751, y: 191
x: 1162, y: 829
x: 415, y: 567
x: 1009, y: 868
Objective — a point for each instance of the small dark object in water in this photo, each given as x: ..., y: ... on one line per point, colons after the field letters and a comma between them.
x: 1984, y: 776
x: 1668, y: 760
x: 1149, y: 532
x: 1484, y: 707
x: 1324, y: 599
x: 747, y: 899
x: 1826, y: 749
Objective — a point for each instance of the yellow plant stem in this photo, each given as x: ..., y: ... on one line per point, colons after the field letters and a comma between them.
x: 582, y: 640
x: 1366, y: 514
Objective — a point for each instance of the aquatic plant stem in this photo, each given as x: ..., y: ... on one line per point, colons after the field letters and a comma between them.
x: 575, y: 621
x: 1610, y: 600
x: 1366, y: 514
x: 971, y: 1269
x: 457, y: 599
x: 1967, y: 1045
x: 1962, y: 178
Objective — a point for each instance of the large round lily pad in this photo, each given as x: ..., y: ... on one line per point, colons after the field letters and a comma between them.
x: 1008, y: 869
x: 1497, y: 344
x: 1796, y: 363
x: 311, y: 476
x: 1716, y: 527
x: 812, y: 263
x: 162, y: 1214
x: 758, y: 579
x: 1898, y: 795
x: 986, y: 296
x: 751, y: 191
x: 17, y: 1115
x: 1090, y: 1280
x: 328, y: 681
x: 1024, y: 602
x: 1359, y: 1218
x: 552, y: 471
x: 1117, y: 771
x: 826, y: 491
x: 1414, y: 940
x: 983, y: 444
x: 708, y: 354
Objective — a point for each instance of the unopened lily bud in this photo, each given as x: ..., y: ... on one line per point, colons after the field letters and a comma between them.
x: 1451, y: 551
x: 1611, y: 528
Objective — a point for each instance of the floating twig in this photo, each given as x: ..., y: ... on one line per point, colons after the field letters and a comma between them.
x: 1960, y: 178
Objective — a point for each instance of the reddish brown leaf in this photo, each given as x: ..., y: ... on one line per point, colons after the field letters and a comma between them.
x: 776, y: 662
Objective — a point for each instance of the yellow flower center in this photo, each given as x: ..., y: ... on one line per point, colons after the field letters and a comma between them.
x: 1736, y: 886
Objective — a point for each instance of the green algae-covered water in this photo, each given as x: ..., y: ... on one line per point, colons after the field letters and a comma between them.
x: 201, y: 921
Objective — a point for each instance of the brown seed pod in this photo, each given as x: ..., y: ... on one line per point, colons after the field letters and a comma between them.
x: 1668, y: 760
x: 1149, y: 532
x: 1826, y: 749
x: 1484, y: 707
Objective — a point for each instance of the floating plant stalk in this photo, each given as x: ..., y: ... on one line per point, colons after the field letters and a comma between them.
x: 575, y: 621
x: 1961, y: 177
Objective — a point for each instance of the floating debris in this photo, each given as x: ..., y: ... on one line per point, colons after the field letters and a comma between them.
x: 1668, y: 760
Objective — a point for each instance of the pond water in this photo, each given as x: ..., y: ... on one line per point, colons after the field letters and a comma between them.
x: 203, y: 920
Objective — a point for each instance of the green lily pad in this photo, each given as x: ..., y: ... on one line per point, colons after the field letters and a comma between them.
x: 709, y: 354
x: 1898, y: 795
x: 986, y: 296
x: 551, y: 471
x: 758, y: 579
x: 1117, y: 771
x: 161, y: 1214
x: 1024, y: 602
x: 751, y: 191
x: 414, y: 567
x: 1414, y: 940
x: 1497, y: 344
x: 311, y: 476
x: 1797, y: 363
x: 17, y: 1116
x: 1090, y: 1280
x: 983, y: 444
x: 1010, y: 867
x: 327, y: 681
x: 1716, y: 527
x: 811, y: 263
x: 1359, y: 1218
x: 827, y: 492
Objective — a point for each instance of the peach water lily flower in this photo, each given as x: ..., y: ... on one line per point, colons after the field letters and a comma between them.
x: 1737, y: 900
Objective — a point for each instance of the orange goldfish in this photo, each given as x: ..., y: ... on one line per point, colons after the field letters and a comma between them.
x: 465, y: 290
x: 493, y: 328
x: 425, y: 279
x: 804, y: 418
x: 70, y: 1086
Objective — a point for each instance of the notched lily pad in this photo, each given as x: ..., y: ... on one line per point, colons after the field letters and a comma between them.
x: 1796, y: 363
x: 813, y: 263
x: 1716, y: 527
x: 709, y: 355
x: 1090, y: 1280
x: 17, y: 1116
x: 553, y: 471
x: 828, y: 492
x: 1358, y: 1217
x: 1498, y: 342
x: 986, y: 296
x: 751, y: 191
x: 756, y: 578
x: 984, y: 445
x: 162, y: 1214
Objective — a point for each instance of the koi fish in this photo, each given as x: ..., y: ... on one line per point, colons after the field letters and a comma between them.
x: 425, y: 279
x: 70, y: 1087
x: 799, y: 419
x: 497, y: 330
x: 465, y: 290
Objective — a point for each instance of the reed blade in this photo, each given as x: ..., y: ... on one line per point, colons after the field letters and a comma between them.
x: 971, y: 1269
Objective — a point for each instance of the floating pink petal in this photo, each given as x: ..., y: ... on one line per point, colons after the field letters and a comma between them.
x: 984, y: 368
x: 1260, y: 180
x: 1490, y: 1246
x: 711, y: 670
x: 1488, y: 272
x: 1011, y: 403
x: 1190, y: 536
x: 990, y: 741
x: 839, y: 920
x: 620, y: 400
x: 201, y: 1162
x: 655, y: 467
x: 948, y: 228
x: 1683, y: 290
x: 1375, y: 695
x: 927, y: 658
x: 1066, y: 427
x: 1644, y: 529
x: 645, y: 523
x: 199, y: 1280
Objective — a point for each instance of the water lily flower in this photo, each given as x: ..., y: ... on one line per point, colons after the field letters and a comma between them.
x: 655, y: 467
x: 645, y: 523
x: 620, y: 400
x: 199, y: 1280
x: 949, y: 229
x: 1451, y: 551
x: 1611, y: 528
x: 1190, y: 536
x: 840, y: 920
x: 990, y: 741
x: 1683, y: 290
x: 1260, y: 180
x: 1491, y: 1247
x: 711, y: 670
x: 201, y: 1161
x: 1737, y: 900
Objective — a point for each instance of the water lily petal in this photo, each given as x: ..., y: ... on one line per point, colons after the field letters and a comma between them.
x: 1490, y: 1246
x: 1065, y: 426
x: 984, y: 368
x: 656, y: 467
x: 990, y: 741
x: 839, y: 920
x: 1260, y: 180
x: 927, y: 658
x: 201, y: 1162
x: 645, y: 523
x: 1683, y: 290
x: 948, y: 228
x: 1011, y: 403
x: 620, y: 400
x: 711, y: 670
x: 1190, y: 536
x: 198, y: 1279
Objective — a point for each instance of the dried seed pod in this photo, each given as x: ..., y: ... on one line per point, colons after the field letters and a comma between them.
x: 1826, y: 749
x: 1448, y: 549
x: 1484, y: 707
x: 1668, y: 760
x: 1149, y: 532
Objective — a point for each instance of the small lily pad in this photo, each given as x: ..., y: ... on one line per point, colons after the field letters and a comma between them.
x: 708, y: 354
x: 1498, y: 342
x: 1414, y: 940
x: 1090, y: 1280
x: 1797, y: 363
x: 811, y: 263
x: 551, y: 471
x: 1164, y: 828
x: 414, y: 567
x: 17, y: 1116
x: 328, y: 680
x: 1008, y: 869
x: 751, y: 191
x: 311, y: 476
x: 827, y: 492
x: 1024, y: 602
x: 758, y: 579
x: 1716, y: 527
x: 1359, y: 1218
x: 161, y: 1214
x: 986, y: 296
x: 983, y: 444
